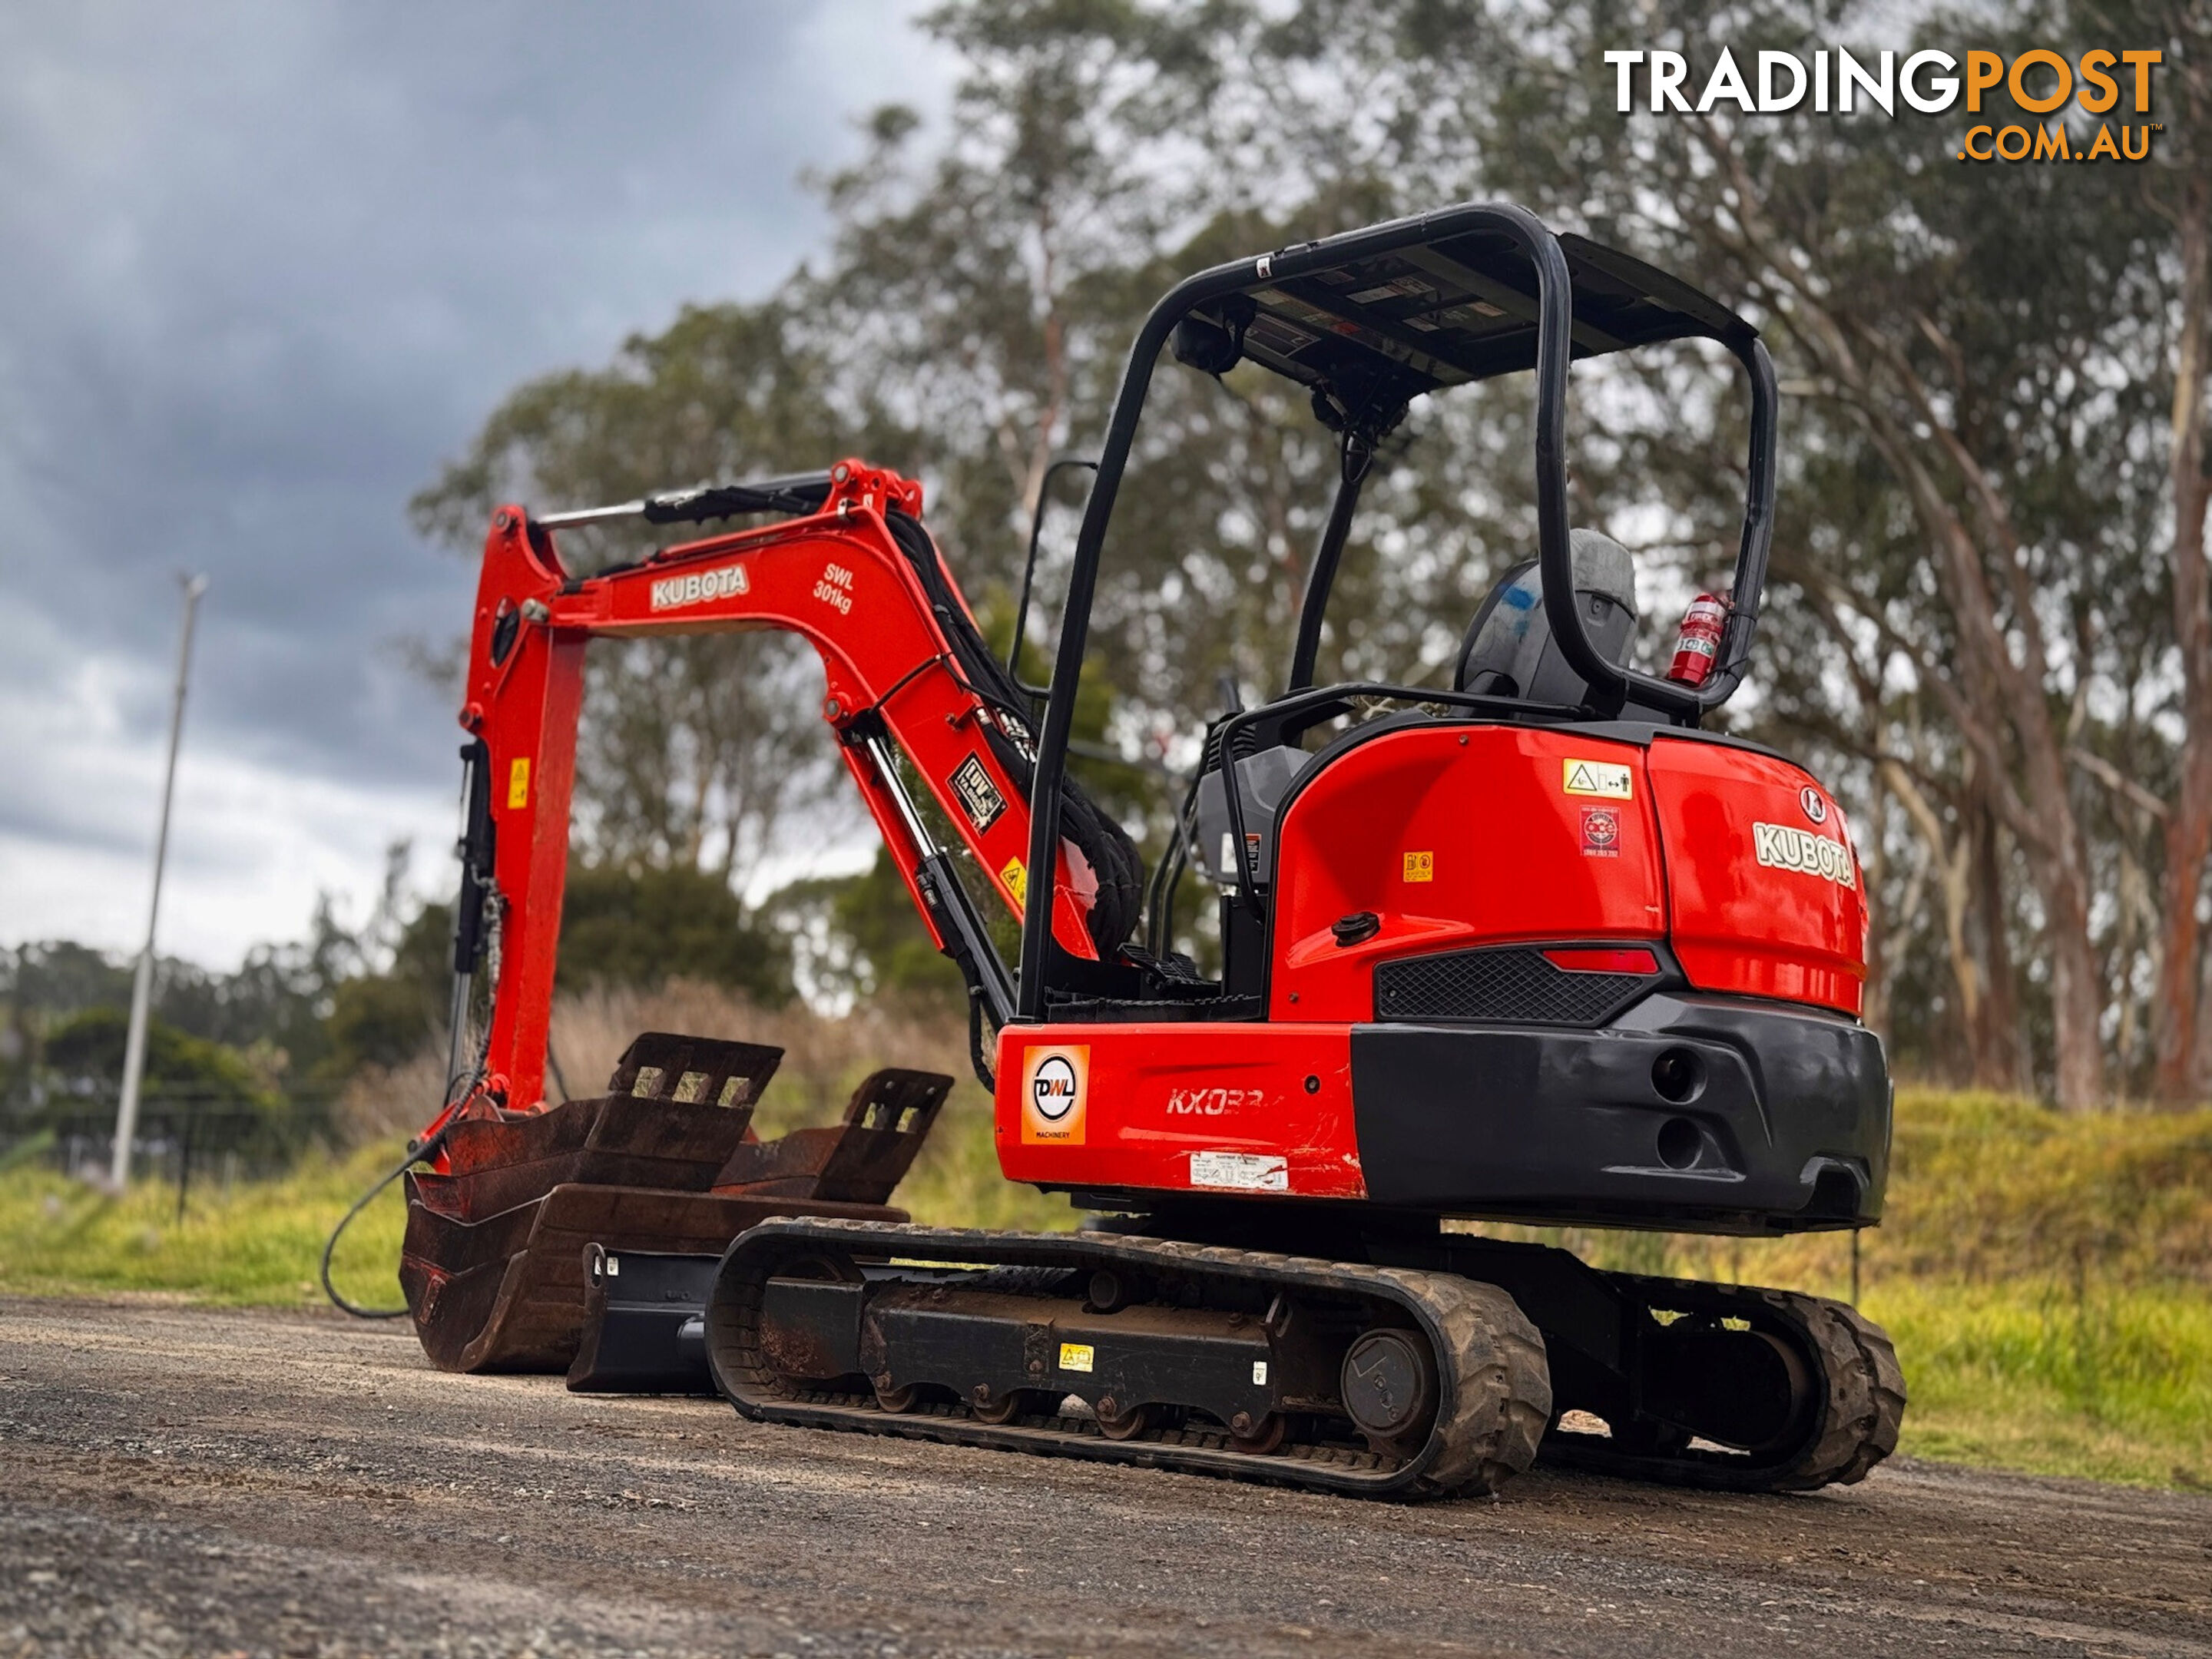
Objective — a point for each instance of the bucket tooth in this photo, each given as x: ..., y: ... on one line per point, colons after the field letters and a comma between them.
x: 859, y: 1160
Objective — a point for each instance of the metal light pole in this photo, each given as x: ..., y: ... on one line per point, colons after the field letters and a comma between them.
x: 141, y: 989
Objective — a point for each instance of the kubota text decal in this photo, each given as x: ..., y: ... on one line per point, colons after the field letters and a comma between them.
x: 1786, y: 846
x: 673, y: 592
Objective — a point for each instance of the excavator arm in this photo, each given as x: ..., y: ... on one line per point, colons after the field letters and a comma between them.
x: 860, y: 580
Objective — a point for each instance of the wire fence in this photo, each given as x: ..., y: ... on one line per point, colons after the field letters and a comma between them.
x: 182, y: 1140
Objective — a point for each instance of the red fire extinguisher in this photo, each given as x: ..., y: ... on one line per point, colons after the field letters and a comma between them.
x: 1698, y: 645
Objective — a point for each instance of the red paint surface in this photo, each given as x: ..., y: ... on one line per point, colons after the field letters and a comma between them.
x: 836, y: 579
x: 1603, y: 961
x: 1156, y: 1094
x: 1739, y: 925
x: 1509, y: 858
x: 1510, y: 853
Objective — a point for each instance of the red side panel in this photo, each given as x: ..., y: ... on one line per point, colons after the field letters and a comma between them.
x: 1765, y: 890
x: 1231, y: 1109
x: 1456, y: 836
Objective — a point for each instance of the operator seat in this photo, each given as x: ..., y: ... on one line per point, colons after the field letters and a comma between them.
x: 1510, y: 652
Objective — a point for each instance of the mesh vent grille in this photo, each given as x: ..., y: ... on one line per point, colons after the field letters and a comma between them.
x: 1515, y: 985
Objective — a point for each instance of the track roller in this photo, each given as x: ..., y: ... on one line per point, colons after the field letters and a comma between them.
x: 1348, y: 1379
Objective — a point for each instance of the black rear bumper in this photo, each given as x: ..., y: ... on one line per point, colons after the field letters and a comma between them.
x: 1687, y: 1113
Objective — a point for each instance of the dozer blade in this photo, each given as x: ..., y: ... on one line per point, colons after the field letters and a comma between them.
x: 493, y: 1263
x: 642, y: 1308
x: 858, y: 1161
x: 645, y: 1326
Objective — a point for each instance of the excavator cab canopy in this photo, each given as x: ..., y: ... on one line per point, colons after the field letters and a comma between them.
x: 1372, y: 331
x: 1368, y: 320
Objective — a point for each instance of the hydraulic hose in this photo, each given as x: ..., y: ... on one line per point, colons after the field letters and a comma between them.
x: 417, y: 1154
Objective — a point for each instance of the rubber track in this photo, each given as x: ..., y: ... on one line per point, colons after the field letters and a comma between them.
x: 1495, y: 1387
x: 1861, y: 1408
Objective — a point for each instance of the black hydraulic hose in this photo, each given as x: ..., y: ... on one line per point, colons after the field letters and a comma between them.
x: 1159, y: 900
x: 418, y: 1154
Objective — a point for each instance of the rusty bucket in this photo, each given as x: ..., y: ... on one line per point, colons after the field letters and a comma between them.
x: 492, y: 1264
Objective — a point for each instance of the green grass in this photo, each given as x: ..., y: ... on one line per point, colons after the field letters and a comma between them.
x: 955, y: 1182
x: 255, y: 1245
x: 2048, y: 1280
x: 2115, y: 1385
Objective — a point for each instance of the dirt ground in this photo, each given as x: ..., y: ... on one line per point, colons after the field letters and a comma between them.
x: 175, y: 1481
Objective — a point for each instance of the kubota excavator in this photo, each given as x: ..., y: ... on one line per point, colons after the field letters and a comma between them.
x: 1535, y: 947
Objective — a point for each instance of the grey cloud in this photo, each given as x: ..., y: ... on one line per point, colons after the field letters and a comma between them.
x: 266, y: 265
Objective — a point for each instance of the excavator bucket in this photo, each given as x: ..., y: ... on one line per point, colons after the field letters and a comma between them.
x: 493, y: 1261
x: 643, y: 1306
x: 857, y: 1161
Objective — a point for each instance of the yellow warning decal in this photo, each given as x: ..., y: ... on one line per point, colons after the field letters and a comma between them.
x: 1075, y: 1356
x: 518, y: 785
x: 1420, y: 866
x: 1604, y: 779
x: 1016, y: 880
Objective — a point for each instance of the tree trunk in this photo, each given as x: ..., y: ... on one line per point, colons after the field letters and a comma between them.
x: 2000, y: 1050
x: 2180, y: 1011
x: 1954, y: 873
x: 2077, y: 1000
x: 1997, y: 688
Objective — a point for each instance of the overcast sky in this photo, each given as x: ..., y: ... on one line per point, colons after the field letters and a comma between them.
x: 261, y: 268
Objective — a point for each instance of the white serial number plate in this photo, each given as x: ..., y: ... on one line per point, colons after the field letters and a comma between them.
x: 1242, y: 1172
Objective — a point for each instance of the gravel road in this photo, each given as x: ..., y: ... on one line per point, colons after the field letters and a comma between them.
x: 175, y: 1481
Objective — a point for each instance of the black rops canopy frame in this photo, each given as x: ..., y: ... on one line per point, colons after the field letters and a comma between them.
x: 1369, y: 319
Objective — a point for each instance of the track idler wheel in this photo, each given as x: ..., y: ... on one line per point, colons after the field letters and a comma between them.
x: 995, y: 1409
x: 1389, y: 1387
x: 1260, y: 1439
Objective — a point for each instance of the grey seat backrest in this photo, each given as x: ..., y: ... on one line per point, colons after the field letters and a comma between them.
x: 1509, y: 650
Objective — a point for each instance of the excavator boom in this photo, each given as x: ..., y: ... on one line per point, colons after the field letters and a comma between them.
x: 859, y: 579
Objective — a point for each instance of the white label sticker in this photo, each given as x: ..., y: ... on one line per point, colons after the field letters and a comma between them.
x: 675, y: 591
x: 1247, y: 1172
x: 1260, y: 1373
x: 1601, y: 778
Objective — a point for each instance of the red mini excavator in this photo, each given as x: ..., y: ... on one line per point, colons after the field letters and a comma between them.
x: 1534, y: 947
